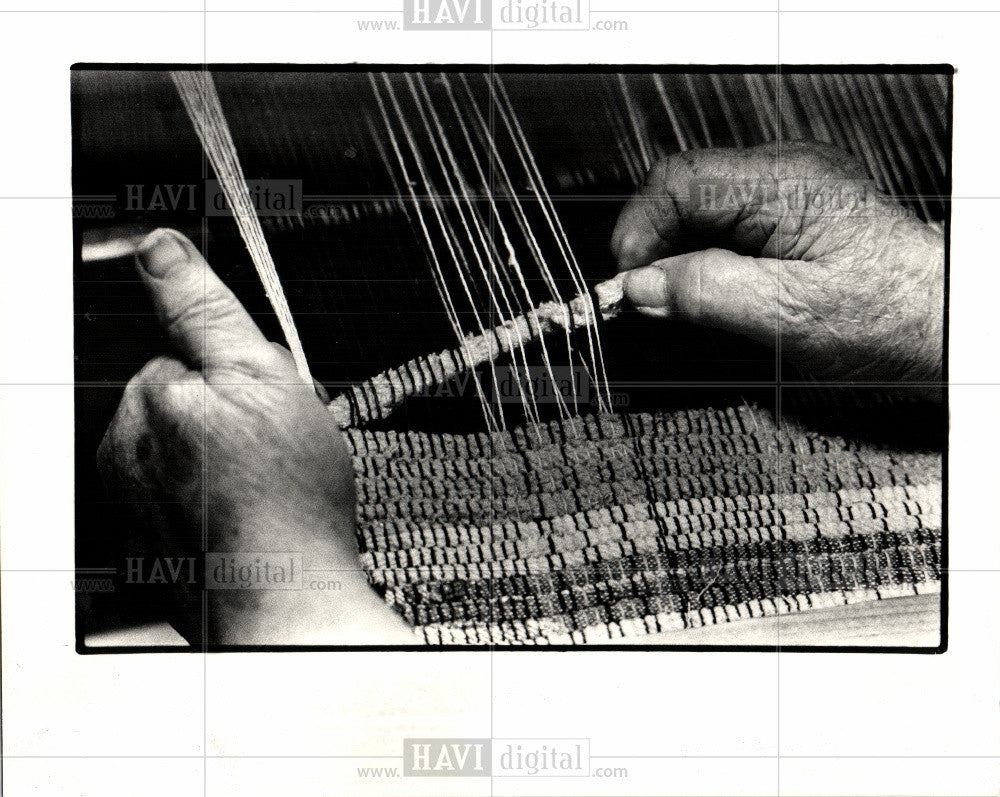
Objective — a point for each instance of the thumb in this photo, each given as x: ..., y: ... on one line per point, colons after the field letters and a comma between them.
x: 716, y: 288
x: 203, y: 318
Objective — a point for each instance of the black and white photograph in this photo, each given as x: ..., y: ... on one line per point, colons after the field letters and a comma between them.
x: 499, y: 398
x: 520, y: 356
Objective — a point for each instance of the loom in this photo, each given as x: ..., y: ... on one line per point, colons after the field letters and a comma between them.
x: 707, y: 501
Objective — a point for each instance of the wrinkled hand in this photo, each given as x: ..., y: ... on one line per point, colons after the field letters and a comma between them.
x: 814, y: 259
x: 225, y: 449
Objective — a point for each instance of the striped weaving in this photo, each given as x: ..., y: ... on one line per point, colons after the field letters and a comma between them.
x: 622, y: 525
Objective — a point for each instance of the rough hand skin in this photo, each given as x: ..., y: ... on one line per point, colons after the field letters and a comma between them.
x: 223, y: 448
x: 847, y: 282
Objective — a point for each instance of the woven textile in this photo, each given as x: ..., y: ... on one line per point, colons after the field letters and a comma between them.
x: 622, y: 525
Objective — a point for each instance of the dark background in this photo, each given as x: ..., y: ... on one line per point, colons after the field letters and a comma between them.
x: 359, y: 285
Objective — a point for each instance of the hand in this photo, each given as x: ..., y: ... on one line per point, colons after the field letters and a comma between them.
x: 816, y: 261
x: 225, y: 449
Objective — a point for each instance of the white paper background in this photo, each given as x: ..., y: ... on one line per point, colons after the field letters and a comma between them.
x: 300, y: 724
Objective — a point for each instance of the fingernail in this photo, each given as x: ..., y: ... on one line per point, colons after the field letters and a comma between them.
x: 159, y: 252
x: 646, y: 288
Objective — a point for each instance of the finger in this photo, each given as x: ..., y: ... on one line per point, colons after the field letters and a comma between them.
x: 203, y: 318
x: 721, y: 289
x: 128, y: 450
x: 668, y: 205
x: 288, y: 364
x: 728, y: 195
x: 131, y: 462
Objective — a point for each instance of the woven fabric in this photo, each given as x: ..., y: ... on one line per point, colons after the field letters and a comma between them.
x: 609, y: 526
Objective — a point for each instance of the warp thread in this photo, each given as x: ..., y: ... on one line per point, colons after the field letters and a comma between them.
x: 201, y: 101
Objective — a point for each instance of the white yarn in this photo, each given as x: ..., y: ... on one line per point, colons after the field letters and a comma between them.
x: 197, y: 91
